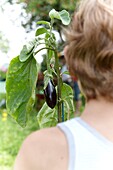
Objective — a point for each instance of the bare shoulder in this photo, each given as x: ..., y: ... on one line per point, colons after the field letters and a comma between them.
x: 45, y: 149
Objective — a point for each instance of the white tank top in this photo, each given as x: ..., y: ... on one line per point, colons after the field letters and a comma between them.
x: 88, y: 150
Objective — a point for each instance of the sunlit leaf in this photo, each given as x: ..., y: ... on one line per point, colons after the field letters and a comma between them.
x: 20, y: 88
x: 54, y: 14
x: 30, y: 45
x: 62, y: 15
x: 40, y: 31
x: 27, y: 51
x: 23, y: 54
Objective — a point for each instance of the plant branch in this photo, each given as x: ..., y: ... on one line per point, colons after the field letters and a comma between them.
x: 44, y: 48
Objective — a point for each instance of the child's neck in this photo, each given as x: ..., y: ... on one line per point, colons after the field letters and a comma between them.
x: 99, y: 115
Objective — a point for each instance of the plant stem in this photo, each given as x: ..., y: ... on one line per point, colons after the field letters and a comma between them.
x: 59, y: 85
x: 59, y: 80
x: 44, y: 48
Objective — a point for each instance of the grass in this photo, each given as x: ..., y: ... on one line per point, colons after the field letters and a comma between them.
x: 11, y: 138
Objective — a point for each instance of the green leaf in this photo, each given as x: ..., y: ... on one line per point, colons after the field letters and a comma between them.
x: 47, y: 36
x: 67, y: 98
x: 20, y: 88
x: 24, y: 54
x: 40, y: 31
x: 47, y: 77
x: 44, y: 23
x: 62, y: 15
x: 54, y: 14
x: 50, y: 54
x: 47, y: 117
x: 30, y: 46
x: 27, y: 51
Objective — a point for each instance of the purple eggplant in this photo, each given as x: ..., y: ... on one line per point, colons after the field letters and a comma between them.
x: 50, y: 94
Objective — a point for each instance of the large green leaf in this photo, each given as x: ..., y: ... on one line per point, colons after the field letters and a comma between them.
x: 47, y: 117
x: 20, y: 88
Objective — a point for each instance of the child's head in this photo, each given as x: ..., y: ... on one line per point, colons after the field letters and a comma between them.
x: 90, y: 47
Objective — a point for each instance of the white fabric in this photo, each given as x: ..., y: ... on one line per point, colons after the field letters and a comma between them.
x: 88, y: 150
x: 65, y: 77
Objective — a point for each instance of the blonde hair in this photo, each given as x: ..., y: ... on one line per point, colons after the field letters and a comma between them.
x: 90, y: 47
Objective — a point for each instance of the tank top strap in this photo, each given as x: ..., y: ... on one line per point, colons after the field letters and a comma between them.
x: 65, y: 127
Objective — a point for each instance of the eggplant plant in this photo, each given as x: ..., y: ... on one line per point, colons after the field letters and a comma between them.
x: 22, y: 74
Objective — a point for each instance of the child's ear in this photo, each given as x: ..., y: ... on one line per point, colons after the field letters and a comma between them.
x: 65, y: 51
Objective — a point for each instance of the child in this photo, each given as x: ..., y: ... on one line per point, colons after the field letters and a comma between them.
x: 84, y: 143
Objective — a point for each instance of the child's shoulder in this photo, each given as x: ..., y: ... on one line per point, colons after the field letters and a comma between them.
x: 44, y: 149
